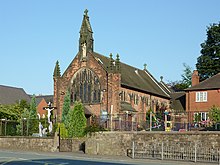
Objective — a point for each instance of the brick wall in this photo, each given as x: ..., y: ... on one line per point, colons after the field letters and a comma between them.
x: 61, y: 86
x: 40, y: 106
x: 213, y: 98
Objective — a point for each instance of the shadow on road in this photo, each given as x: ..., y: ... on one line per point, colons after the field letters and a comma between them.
x: 55, y: 162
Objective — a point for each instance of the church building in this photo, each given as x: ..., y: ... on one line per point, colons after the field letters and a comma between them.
x: 105, y: 85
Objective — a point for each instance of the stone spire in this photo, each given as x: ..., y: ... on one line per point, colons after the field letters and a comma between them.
x: 56, y: 72
x: 86, y: 34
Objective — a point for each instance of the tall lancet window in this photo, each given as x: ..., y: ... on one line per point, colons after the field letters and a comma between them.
x: 85, y: 86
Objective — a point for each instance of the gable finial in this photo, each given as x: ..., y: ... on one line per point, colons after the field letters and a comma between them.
x: 86, y: 12
x: 145, y: 66
x: 161, y: 78
x: 117, y: 63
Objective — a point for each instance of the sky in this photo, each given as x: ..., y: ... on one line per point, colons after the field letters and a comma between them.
x: 164, y: 34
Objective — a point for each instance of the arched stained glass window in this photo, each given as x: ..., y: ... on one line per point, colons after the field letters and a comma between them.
x: 85, y: 86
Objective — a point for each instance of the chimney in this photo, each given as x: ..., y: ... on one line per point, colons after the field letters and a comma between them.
x: 195, y: 78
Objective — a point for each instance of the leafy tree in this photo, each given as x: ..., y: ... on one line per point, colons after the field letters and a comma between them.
x: 208, y: 63
x: 187, y: 75
x: 76, y: 121
x: 177, y: 85
x: 13, y: 111
x: 66, y: 106
x: 214, y: 114
x: 186, y: 79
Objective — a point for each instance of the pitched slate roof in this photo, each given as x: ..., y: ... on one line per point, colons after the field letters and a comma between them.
x: 165, y: 87
x: 48, y: 98
x: 135, y: 78
x: 11, y: 95
x: 208, y: 84
x: 178, y: 101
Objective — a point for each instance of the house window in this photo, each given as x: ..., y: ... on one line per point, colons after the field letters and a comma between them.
x: 201, y: 96
x: 201, y: 116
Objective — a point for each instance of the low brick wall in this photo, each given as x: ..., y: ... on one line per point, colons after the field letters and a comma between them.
x: 117, y: 143
x: 29, y: 143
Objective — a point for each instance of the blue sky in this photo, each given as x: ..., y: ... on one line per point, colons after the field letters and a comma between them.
x: 164, y: 34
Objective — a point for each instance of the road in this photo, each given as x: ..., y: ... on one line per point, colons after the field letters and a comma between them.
x: 8, y: 157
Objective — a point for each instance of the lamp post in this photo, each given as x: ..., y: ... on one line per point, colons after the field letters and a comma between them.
x: 5, y: 126
x: 49, y: 108
x: 23, y: 125
x: 1, y: 127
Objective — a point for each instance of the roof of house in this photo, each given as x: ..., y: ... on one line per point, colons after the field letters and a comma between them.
x: 48, y: 98
x: 135, y: 78
x: 178, y: 101
x: 11, y: 95
x: 208, y: 84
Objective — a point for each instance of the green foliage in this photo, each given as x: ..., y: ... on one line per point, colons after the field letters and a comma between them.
x: 62, y: 130
x: 214, y: 114
x: 148, y: 115
x: 66, y: 106
x: 198, y: 117
x: 14, y: 111
x: 22, y: 126
x: 208, y: 63
x: 76, y: 121
x: 33, y: 122
x: 186, y: 79
x: 93, y: 128
x: 187, y: 75
x: 33, y: 108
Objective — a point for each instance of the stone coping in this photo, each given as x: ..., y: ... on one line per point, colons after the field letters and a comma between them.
x: 30, y: 137
x: 159, y: 132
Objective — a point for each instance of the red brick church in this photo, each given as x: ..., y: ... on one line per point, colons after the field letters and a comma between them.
x: 104, y: 84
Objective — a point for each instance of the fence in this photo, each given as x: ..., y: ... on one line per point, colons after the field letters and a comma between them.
x: 175, y: 151
x: 24, y: 127
x: 172, y: 121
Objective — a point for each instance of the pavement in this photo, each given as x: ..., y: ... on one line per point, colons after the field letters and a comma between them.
x: 9, y: 157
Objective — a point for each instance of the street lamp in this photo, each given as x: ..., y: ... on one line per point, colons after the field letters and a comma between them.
x: 5, y: 125
x: 23, y: 130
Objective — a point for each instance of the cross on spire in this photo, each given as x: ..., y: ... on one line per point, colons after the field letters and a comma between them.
x: 86, y: 12
x: 86, y: 33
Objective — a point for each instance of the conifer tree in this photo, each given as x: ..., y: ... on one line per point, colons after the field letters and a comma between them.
x: 33, y: 118
x: 76, y: 121
x: 66, y: 106
x: 208, y: 63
